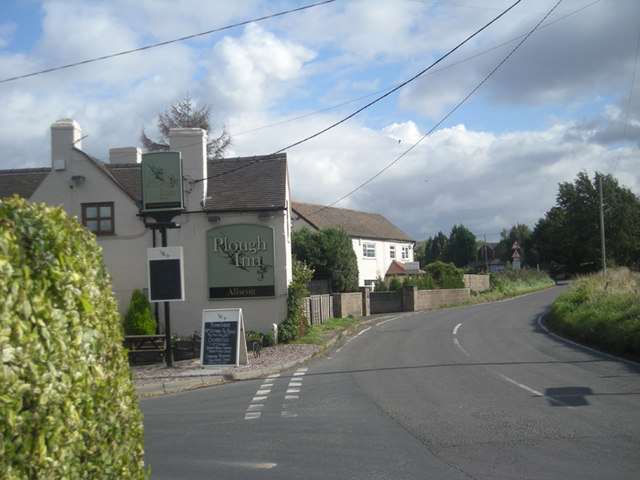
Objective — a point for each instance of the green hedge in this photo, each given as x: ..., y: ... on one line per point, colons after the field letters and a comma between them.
x: 67, y: 401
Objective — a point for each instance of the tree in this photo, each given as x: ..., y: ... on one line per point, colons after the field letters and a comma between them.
x: 184, y: 115
x: 138, y: 319
x: 569, y: 233
x: 461, y: 248
x: 432, y: 249
x: 329, y: 252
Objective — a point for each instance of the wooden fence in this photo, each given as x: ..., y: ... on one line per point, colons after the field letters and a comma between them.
x: 317, y: 308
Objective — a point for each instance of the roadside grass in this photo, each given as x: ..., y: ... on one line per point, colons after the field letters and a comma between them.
x: 319, y: 334
x: 602, y: 312
x: 508, y: 283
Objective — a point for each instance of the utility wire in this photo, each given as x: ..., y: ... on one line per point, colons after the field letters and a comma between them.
x: 395, y: 89
x: 451, y: 112
x: 161, y: 44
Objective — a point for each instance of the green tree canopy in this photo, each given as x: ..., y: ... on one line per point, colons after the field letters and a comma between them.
x: 432, y: 249
x: 329, y: 252
x: 184, y: 115
x: 569, y: 233
x: 462, y: 247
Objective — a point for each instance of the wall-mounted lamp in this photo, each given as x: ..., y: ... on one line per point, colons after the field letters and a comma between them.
x: 213, y: 218
x: 265, y: 216
x: 78, y: 179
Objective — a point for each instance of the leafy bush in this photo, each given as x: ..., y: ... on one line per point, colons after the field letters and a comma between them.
x: 445, y: 275
x: 138, y: 319
x: 395, y: 284
x: 67, y: 401
x: 423, y: 282
x: 294, y: 325
x: 379, y: 285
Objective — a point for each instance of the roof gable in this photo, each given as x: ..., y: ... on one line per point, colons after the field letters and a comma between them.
x: 356, y: 224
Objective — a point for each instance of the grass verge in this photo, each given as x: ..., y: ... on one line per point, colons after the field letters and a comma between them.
x: 601, y: 312
x: 319, y: 334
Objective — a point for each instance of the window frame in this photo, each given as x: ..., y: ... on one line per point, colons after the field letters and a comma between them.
x: 368, y: 250
x: 392, y: 252
x: 405, y: 252
x: 99, y: 218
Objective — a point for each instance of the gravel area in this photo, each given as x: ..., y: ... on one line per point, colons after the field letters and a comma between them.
x: 269, y: 357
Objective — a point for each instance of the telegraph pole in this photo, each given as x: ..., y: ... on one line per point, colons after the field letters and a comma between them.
x: 602, y: 239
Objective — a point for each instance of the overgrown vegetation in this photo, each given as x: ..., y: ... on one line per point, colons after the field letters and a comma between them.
x: 67, y: 401
x: 602, y: 312
x: 295, y: 324
x: 510, y: 283
x: 138, y: 320
x: 438, y: 275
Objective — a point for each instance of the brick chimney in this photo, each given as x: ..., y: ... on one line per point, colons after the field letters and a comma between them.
x: 131, y: 155
x: 192, y: 143
x: 65, y: 135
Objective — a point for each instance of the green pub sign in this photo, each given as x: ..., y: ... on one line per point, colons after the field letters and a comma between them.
x: 162, y: 182
x: 240, y: 262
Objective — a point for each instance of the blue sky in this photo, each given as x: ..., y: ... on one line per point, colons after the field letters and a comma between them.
x: 567, y: 100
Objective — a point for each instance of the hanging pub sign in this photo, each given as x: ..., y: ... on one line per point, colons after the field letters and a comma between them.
x: 162, y: 182
x: 240, y: 262
x: 165, y: 274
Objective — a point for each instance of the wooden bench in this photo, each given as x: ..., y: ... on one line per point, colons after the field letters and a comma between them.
x: 143, y: 344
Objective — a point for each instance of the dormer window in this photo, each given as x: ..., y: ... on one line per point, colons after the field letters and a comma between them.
x: 98, y: 217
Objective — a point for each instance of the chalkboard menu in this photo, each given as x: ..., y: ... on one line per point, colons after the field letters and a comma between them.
x: 222, y: 338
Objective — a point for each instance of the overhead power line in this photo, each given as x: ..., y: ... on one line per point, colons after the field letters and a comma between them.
x: 161, y: 44
x: 398, y: 87
x: 451, y: 112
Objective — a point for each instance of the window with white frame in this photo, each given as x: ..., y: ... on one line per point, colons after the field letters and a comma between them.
x: 405, y: 253
x: 369, y: 250
x: 392, y: 251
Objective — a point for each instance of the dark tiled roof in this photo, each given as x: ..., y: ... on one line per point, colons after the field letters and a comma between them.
x: 247, y: 183
x: 356, y: 224
x: 127, y: 176
x: 239, y: 184
x: 22, y: 182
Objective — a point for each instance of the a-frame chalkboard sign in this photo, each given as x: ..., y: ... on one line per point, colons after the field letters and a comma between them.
x: 222, y: 340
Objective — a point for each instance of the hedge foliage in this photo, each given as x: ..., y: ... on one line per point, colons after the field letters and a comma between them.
x: 67, y: 401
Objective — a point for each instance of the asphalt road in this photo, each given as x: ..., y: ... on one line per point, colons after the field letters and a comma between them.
x: 476, y: 392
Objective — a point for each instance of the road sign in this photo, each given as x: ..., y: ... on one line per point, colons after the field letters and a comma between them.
x: 516, y: 264
x: 515, y: 246
x: 516, y: 254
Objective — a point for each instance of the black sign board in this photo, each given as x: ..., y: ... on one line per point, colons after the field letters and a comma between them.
x: 165, y: 274
x: 223, y: 340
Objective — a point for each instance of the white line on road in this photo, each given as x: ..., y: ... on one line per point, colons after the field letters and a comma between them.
x: 457, y: 344
x: 455, y: 329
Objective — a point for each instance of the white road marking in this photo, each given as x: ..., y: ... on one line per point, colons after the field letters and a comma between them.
x: 457, y: 344
x: 455, y: 329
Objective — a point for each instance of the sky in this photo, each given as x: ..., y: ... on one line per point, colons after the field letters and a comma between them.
x: 480, y: 139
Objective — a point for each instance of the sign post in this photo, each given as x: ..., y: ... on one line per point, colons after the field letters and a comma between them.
x: 162, y: 200
x: 515, y: 256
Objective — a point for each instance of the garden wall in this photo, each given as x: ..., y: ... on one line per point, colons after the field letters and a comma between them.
x: 477, y: 283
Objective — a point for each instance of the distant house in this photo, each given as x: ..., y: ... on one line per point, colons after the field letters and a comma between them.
x: 376, y: 241
x: 235, y: 228
x: 489, y: 258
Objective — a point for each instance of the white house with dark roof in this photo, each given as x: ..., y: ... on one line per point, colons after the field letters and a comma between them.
x: 377, y: 242
x: 235, y: 229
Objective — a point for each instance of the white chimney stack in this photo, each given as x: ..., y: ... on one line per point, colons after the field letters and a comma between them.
x: 130, y: 155
x: 192, y: 143
x: 65, y: 135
